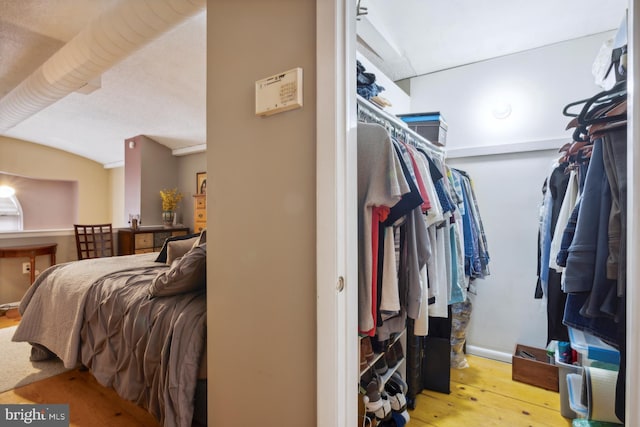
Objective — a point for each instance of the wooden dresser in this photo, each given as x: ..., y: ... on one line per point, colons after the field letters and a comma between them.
x: 199, y: 212
x: 146, y: 239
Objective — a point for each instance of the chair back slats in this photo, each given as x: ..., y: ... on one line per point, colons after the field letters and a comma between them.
x: 94, y: 240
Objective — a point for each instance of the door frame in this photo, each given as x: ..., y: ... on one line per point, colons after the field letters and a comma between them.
x: 337, y: 350
x: 336, y: 215
x: 632, y: 392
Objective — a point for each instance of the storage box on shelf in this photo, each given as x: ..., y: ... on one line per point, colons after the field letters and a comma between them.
x: 429, y: 125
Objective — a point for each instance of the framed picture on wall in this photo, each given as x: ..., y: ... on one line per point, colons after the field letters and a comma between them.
x: 201, y: 183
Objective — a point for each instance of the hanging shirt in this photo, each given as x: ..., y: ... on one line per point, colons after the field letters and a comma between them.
x: 390, y: 298
x: 434, y: 213
x: 545, y: 233
x: 479, y: 226
x: 568, y: 204
x: 581, y: 259
x: 459, y: 281
x: 438, y: 277
x: 380, y: 183
x: 415, y: 249
x: 419, y: 172
x: 473, y: 266
x: 447, y: 203
x: 410, y: 199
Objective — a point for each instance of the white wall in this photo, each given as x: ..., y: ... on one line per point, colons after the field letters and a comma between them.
x: 538, y: 84
x: 509, y: 192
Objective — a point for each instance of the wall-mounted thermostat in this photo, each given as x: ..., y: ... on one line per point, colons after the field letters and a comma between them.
x: 282, y: 92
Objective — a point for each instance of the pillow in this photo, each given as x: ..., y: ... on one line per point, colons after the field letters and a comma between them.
x: 177, y: 248
x: 202, y: 238
x: 186, y: 274
x: 162, y: 256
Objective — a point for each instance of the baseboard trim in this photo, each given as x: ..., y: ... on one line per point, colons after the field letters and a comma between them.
x: 489, y: 354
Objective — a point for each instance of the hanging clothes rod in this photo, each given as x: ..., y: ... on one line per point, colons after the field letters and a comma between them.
x: 398, y: 125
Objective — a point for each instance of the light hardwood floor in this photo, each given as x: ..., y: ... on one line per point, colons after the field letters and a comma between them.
x: 6, y: 322
x: 484, y: 395
x: 90, y: 404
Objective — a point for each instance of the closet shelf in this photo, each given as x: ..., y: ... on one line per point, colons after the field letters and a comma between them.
x: 398, y: 125
x: 384, y: 377
x: 378, y: 356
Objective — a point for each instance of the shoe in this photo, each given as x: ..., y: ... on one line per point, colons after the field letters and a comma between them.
x: 396, y: 396
x: 381, y: 366
x: 374, y: 404
x: 400, y: 382
x: 378, y: 345
x: 397, y: 347
x: 400, y: 418
x: 366, y: 348
x: 366, y: 377
x: 385, y: 398
x: 390, y: 357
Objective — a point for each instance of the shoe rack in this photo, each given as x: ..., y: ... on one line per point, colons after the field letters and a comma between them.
x: 395, y: 342
x: 384, y: 365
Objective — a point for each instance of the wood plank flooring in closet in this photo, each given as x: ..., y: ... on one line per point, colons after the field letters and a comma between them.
x: 484, y: 395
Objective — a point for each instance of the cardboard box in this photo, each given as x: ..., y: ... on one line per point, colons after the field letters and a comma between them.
x: 531, y: 365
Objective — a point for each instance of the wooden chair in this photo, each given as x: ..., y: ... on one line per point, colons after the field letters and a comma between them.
x: 94, y: 241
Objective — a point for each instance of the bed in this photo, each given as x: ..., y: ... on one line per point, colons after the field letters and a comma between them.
x: 137, y: 323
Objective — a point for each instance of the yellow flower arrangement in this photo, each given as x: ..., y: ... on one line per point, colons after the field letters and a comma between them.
x: 170, y: 199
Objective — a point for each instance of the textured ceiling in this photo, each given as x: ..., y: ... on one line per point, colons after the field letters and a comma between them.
x: 159, y: 91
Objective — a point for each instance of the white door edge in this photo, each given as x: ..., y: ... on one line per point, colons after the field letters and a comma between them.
x: 632, y: 393
x: 336, y: 216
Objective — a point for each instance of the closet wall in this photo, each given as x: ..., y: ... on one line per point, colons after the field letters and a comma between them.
x: 538, y: 84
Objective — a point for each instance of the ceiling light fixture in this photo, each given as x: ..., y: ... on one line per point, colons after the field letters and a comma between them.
x: 105, y: 42
x: 501, y: 110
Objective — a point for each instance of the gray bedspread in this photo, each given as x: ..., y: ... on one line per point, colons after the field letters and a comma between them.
x: 98, y: 312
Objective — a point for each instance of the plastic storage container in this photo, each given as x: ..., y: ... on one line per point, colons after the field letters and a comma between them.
x: 565, y: 369
x: 574, y: 386
x: 593, y: 351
